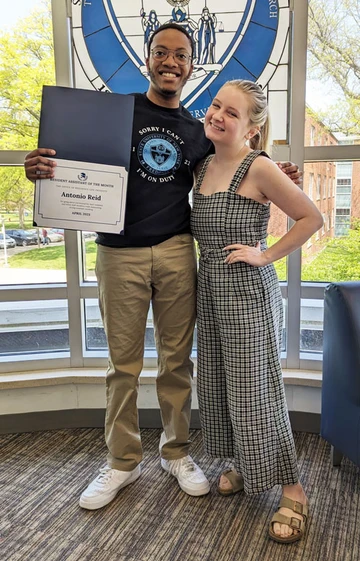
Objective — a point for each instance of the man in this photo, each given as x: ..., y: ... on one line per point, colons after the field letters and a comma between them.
x: 45, y: 239
x: 154, y: 262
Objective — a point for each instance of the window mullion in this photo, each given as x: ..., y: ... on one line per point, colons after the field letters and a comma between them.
x: 75, y: 302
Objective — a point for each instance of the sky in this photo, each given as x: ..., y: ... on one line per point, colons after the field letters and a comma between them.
x: 320, y: 96
x: 13, y: 11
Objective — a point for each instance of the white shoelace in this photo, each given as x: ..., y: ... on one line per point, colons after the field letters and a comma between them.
x: 105, y: 475
x: 184, y: 464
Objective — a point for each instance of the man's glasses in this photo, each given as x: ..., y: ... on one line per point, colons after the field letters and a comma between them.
x: 162, y: 54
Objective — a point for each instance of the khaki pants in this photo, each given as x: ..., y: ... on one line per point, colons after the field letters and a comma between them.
x: 129, y: 279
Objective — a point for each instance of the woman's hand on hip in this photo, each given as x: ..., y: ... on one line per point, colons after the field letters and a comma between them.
x: 246, y: 253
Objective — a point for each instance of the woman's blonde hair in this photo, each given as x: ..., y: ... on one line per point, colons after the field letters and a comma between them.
x: 258, y: 112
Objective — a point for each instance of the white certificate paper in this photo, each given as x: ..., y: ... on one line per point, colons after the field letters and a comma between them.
x: 91, y: 134
x: 82, y: 196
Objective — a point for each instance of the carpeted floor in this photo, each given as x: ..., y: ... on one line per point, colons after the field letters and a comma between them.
x: 43, y: 474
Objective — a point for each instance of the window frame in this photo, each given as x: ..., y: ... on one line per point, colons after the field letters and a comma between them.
x: 76, y: 290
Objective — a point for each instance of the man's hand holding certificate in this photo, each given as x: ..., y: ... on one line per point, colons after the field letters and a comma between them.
x: 90, y: 132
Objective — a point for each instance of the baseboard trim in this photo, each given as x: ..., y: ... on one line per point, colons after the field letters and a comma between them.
x: 94, y: 418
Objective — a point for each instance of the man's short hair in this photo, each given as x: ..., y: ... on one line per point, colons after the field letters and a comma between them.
x: 172, y: 26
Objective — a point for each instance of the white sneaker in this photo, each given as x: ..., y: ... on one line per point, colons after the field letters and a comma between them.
x: 190, y: 477
x: 105, y: 487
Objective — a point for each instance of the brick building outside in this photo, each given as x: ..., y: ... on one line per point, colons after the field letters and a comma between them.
x: 333, y: 187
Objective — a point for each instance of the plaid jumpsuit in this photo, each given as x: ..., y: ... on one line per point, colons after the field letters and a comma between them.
x: 241, y: 394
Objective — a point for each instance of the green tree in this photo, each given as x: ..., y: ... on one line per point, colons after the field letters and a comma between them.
x: 16, y: 192
x: 26, y: 64
x: 334, y: 54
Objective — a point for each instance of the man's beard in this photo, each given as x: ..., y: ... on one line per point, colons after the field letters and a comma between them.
x: 168, y: 93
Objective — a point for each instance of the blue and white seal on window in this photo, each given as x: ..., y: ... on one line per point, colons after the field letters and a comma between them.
x: 159, y: 154
x: 246, y: 39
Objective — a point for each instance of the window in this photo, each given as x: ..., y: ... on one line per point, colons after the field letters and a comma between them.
x: 88, y: 255
x: 332, y: 256
x: 312, y: 135
x: 311, y: 327
x: 318, y: 187
x: 278, y: 226
x: 49, y: 296
x: 26, y: 258
x: 342, y: 222
x: 311, y: 185
x: 27, y: 43
x: 344, y: 197
x: 324, y: 224
x: 344, y: 170
x: 343, y: 201
x: 34, y: 327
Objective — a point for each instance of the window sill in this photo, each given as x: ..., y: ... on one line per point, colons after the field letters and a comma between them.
x: 95, y: 376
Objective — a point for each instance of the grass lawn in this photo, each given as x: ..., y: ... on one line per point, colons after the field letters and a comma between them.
x: 53, y: 257
x: 50, y: 257
x: 337, y: 261
x: 11, y: 221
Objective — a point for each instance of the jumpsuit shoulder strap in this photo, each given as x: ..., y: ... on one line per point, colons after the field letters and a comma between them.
x: 202, y: 172
x: 243, y: 168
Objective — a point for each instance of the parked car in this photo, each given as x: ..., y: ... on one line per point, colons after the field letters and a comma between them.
x: 8, y: 242
x: 87, y: 235
x: 23, y: 237
x: 53, y: 236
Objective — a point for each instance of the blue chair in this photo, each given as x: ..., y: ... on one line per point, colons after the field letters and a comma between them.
x: 340, y: 412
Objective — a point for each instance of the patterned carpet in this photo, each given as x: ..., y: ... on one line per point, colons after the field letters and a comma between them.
x: 42, y: 475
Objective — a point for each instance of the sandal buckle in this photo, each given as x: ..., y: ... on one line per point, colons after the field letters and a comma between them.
x: 295, y: 523
x: 298, y: 508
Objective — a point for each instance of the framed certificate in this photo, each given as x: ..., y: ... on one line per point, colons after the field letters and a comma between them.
x: 91, y: 133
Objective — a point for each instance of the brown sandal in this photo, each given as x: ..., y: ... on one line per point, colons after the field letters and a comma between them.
x: 236, y: 480
x: 292, y: 522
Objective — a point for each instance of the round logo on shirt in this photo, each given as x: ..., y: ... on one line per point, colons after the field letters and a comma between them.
x: 159, y: 154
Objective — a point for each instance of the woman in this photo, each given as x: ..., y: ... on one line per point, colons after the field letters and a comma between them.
x: 240, y: 388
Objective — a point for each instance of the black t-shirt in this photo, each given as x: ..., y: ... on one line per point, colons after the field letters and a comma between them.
x: 167, y: 144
